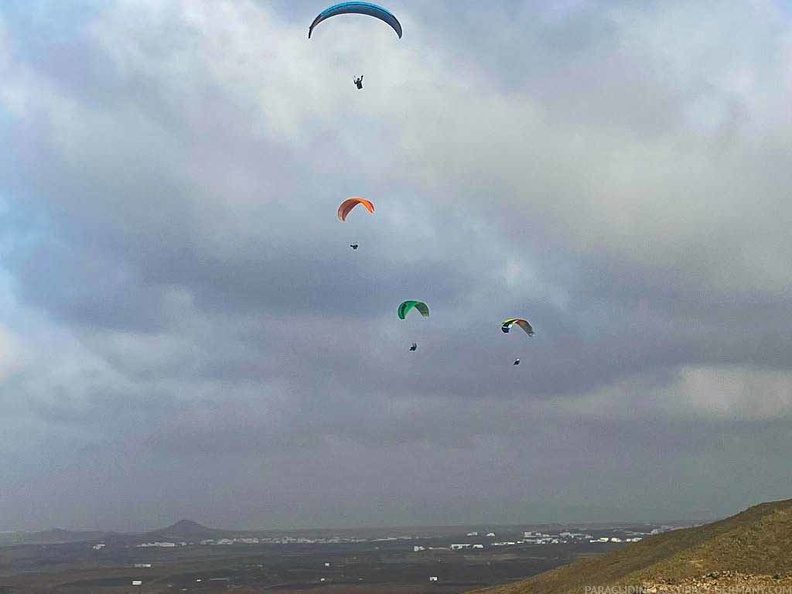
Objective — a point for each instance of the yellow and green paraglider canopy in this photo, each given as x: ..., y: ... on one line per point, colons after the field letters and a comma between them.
x: 522, y: 323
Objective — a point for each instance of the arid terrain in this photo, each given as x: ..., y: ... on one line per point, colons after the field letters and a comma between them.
x: 751, y: 550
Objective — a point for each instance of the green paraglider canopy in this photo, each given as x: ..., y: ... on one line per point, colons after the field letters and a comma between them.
x: 406, y: 306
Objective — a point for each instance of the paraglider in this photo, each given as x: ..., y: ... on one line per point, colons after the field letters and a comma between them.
x: 507, y: 324
x: 366, y: 8
x: 347, y: 205
x: 406, y: 306
x: 358, y: 81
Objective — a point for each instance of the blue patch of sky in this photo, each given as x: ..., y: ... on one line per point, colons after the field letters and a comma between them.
x: 35, y: 25
x: 6, y: 117
x: 22, y: 224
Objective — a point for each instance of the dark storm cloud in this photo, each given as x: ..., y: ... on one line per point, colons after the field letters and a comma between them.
x: 699, y: 324
x: 79, y: 285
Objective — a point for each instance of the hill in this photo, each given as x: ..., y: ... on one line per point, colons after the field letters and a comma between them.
x: 750, y: 549
x: 184, y: 530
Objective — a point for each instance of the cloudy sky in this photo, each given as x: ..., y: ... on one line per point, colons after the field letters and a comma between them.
x: 185, y: 333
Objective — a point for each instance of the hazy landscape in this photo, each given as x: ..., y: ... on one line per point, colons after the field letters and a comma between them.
x: 751, y: 549
x: 190, y: 557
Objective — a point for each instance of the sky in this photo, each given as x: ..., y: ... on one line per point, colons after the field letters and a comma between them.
x: 185, y: 332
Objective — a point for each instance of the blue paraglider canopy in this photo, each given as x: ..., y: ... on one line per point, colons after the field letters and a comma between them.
x: 366, y: 8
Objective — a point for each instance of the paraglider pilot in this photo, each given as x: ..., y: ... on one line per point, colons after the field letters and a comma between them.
x: 358, y: 81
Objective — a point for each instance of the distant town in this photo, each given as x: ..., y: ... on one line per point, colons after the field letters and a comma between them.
x: 478, y: 540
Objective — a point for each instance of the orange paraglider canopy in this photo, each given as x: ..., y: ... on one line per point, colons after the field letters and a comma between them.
x: 350, y: 203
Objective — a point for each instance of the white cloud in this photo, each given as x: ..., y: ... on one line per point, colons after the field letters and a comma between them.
x: 712, y: 393
x: 738, y: 393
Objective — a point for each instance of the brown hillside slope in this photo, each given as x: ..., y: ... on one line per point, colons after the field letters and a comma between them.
x: 755, y: 541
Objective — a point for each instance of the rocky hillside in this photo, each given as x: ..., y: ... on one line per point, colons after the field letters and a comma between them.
x: 752, y: 548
